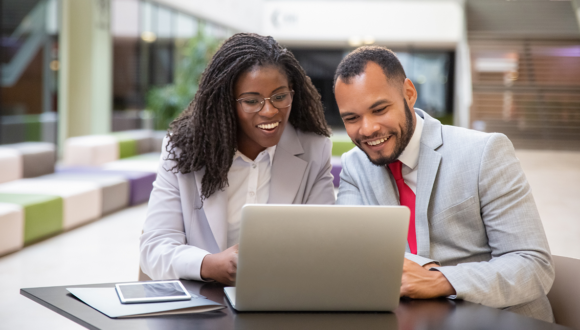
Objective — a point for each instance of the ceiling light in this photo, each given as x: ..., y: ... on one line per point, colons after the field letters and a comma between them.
x: 355, y: 41
x: 54, y: 65
x: 369, y: 40
x: 148, y: 36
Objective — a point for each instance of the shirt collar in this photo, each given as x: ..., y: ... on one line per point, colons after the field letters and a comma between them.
x: 410, y: 156
x: 268, y: 152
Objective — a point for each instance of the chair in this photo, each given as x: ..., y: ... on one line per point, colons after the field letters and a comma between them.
x: 11, y: 228
x: 336, y: 169
x: 114, y: 188
x: 42, y: 217
x: 91, y: 150
x: 565, y: 293
x: 38, y: 158
x: 11, y: 165
x: 143, y: 276
x: 134, y: 142
x: 81, y: 201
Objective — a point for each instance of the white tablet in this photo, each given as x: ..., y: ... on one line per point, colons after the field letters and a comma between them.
x: 143, y: 292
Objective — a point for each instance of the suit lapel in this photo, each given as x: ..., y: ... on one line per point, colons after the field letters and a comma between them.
x: 382, y: 184
x: 215, y: 209
x: 429, y: 161
x: 287, y: 169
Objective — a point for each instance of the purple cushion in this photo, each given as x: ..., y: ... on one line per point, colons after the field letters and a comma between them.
x: 336, y: 169
x: 140, y: 183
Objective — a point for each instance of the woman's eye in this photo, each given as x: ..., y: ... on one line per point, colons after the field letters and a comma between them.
x: 251, y: 101
x: 279, y: 97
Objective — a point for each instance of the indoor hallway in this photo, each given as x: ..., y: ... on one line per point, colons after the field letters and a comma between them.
x: 107, y: 250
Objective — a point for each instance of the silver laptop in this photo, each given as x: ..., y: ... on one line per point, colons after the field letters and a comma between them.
x: 320, y: 258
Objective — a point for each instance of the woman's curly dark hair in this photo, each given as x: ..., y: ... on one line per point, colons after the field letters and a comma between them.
x: 205, y: 134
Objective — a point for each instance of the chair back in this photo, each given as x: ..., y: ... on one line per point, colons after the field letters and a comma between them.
x: 565, y: 293
x: 143, y: 276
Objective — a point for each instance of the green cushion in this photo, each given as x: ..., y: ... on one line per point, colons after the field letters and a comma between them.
x: 43, y: 214
x: 127, y: 145
x: 341, y: 144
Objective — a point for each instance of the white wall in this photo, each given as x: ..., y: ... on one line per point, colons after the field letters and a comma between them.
x: 242, y: 16
x: 332, y: 23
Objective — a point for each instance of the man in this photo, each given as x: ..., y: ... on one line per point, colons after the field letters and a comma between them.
x: 474, y: 232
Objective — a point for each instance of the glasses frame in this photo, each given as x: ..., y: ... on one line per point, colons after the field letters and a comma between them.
x: 263, y: 102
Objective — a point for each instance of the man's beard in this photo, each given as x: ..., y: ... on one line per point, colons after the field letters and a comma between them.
x: 403, y: 137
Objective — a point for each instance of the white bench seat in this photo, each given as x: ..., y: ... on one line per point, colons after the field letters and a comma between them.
x: 81, y: 200
x: 11, y: 228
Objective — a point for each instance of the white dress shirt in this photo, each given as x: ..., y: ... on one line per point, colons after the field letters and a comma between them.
x: 249, y: 183
x: 410, y: 156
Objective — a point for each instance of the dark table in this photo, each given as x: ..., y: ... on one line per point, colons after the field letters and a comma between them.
x: 411, y: 314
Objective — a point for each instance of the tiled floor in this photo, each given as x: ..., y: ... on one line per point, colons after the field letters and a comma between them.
x: 107, y: 250
x: 555, y: 180
x: 103, y: 251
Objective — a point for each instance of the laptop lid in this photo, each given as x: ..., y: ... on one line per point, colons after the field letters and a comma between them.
x: 320, y: 258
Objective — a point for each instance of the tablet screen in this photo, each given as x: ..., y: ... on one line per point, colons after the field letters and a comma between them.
x: 152, y: 290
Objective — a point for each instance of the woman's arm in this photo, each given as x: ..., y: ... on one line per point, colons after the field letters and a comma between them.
x: 164, y: 250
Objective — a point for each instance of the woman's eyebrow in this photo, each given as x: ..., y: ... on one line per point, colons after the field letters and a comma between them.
x: 256, y: 93
x: 250, y: 93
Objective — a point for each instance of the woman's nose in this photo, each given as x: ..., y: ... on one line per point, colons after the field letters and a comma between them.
x: 268, y: 110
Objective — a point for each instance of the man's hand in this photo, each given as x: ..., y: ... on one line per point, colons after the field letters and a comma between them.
x: 420, y: 283
x: 221, y: 267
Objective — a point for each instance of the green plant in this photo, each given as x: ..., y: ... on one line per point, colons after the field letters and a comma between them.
x: 167, y: 102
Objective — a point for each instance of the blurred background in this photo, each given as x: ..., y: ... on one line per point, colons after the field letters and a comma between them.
x: 73, y: 68
x: 88, y: 88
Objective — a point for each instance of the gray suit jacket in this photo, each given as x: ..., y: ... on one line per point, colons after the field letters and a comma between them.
x: 178, y: 234
x: 475, y: 216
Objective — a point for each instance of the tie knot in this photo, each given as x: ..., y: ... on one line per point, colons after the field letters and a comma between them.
x: 396, y: 168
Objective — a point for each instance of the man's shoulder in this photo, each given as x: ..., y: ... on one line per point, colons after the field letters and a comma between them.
x: 461, y: 140
x: 356, y: 158
x: 455, y: 134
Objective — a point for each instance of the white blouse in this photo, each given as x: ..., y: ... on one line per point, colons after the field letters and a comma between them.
x: 249, y: 183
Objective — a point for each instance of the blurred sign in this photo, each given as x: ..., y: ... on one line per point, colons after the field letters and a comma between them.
x: 423, y: 23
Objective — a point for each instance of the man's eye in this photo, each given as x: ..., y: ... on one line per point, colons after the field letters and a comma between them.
x: 379, y: 110
x: 251, y: 101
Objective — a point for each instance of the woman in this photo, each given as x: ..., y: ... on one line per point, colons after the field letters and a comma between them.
x: 254, y: 133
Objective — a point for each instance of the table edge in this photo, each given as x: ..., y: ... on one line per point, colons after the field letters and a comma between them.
x: 57, y: 310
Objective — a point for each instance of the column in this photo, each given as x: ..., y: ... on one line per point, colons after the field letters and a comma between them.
x: 85, y: 77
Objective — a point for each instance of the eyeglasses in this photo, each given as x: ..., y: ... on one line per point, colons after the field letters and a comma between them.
x: 255, y: 104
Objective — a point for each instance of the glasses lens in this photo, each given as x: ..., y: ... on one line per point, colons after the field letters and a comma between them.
x: 251, y: 104
x: 282, y: 100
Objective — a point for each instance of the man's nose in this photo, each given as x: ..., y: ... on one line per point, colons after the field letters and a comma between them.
x: 368, y: 127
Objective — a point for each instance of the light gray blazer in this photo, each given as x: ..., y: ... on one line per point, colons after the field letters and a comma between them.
x: 178, y: 234
x: 475, y: 216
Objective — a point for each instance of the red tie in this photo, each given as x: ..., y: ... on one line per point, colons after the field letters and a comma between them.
x: 407, y: 198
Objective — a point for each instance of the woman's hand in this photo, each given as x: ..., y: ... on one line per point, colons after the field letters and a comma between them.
x: 221, y: 267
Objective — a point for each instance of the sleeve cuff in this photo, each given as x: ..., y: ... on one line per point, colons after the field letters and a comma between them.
x: 454, y: 279
x: 189, y: 267
x: 422, y: 261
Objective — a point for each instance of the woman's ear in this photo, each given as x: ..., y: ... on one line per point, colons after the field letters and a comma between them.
x: 409, y: 92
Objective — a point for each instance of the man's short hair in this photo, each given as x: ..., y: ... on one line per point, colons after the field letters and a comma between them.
x: 355, y: 63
